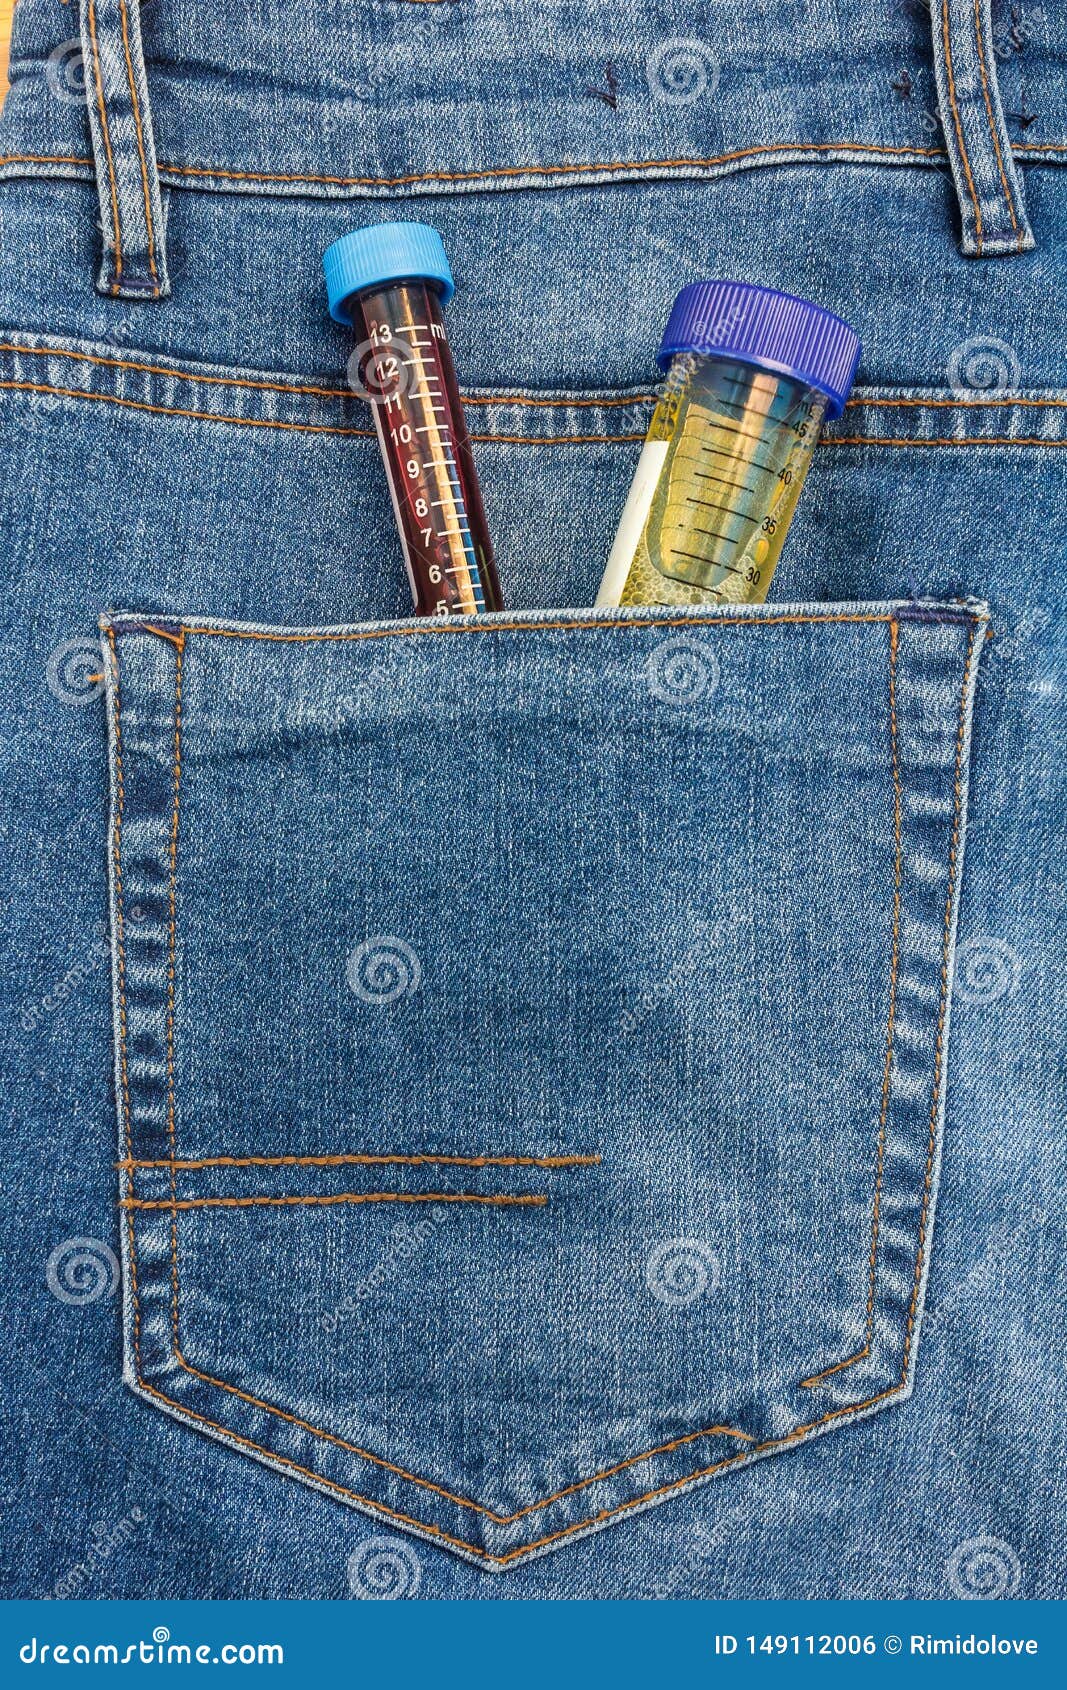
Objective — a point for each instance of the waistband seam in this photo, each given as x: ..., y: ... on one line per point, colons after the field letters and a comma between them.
x: 53, y: 375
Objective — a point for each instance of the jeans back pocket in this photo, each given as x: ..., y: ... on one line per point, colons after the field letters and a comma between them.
x: 530, y: 1041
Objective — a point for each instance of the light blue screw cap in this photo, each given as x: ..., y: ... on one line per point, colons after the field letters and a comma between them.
x: 384, y: 252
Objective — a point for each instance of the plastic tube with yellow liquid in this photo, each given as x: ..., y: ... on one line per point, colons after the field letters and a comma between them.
x: 752, y: 374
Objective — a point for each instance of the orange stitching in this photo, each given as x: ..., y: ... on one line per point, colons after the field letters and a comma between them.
x: 861, y: 1355
x: 342, y: 1197
x: 951, y: 404
x: 959, y: 128
x: 940, y: 1044
x: 596, y: 168
x: 44, y: 158
x: 451, y: 1496
x: 546, y: 401
x: 552, y: 401
x: 197, y: 416
x: 120, y: 934
x: 107, y: 143
x: 367, y: 1161
x: 993, y: 125
x: 175, y: 639
x: 973, y: 440
x: 797, y: 1433
x: 492, y: 625
x: 527, y: 439
x: 308, y: 428
x: 172, y: 926
x: 1021, y: 149
x: 140, y: 145
x: 183, y: 375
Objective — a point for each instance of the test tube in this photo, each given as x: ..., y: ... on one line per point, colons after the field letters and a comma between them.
x: 389, y: 281
x: 751, y: 375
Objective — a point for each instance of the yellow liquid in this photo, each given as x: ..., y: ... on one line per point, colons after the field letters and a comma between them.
x: 728, y: 450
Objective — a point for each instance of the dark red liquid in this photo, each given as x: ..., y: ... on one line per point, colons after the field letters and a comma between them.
x: 404, y: 369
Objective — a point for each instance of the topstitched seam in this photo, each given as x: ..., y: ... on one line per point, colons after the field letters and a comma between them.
x: 120, y: 935
x: 172, y: 925
x: 175, y: 1203
x: 861, y: 1355
x: 534, y: 401
x: 1003, y: 440
x: 219, y: 416
x: 993, y: 125
x: 365, y: 1159
x: 1021, y: 149
x: 498, y: 439
x: 99, y: 78
x: 798, y: 1432
x: 495, y: 625
x: 181, y: 375
x: 959, y: 127
x: 596, y: 167
x: 140, y: 145
x: 547, y: 401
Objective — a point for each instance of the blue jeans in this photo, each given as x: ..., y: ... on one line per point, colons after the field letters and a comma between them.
x: 586, y: 1085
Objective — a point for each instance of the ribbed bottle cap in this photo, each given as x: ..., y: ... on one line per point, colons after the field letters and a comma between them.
x: 384, y: 252
x: 761, y: 326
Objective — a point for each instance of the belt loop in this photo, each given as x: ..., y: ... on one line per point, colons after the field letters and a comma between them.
x: 989, y: 186
x: 131, y: 210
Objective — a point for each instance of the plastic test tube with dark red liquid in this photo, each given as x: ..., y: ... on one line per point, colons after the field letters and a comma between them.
x: 389, y: 281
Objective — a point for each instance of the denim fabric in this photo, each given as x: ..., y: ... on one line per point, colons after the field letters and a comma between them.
x: 765, y: 912
x: 462, y: 1009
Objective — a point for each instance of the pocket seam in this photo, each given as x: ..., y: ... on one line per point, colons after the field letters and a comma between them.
x: 799, y: 1433
x: 898, y: 862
